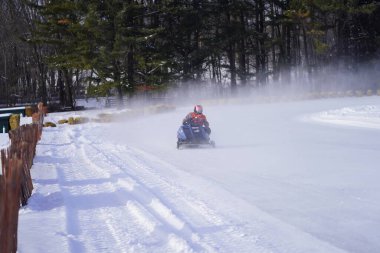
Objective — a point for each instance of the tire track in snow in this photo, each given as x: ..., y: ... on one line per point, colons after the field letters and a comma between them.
x: 253, y: 236
x: 90, y: 226
x: 102, y: 165
x: 218, y: 234
x: 130, y: 210
x: 170, y: 222
x: 189, y: 207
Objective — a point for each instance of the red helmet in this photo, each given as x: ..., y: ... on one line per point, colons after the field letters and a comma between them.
x: 198, y: 109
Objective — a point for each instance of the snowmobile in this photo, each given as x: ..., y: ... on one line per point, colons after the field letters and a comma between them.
x: 193, y: 136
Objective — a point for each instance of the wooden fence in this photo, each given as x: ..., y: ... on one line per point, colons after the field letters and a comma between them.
x: 15, y: 182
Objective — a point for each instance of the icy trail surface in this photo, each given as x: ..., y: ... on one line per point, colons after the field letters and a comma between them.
x: 283, y: 178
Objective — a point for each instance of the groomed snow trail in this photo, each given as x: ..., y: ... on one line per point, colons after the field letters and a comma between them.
x: 101, y: 197
x: 125, y: 188
x: 103, y: 206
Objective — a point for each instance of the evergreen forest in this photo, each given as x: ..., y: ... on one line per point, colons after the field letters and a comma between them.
x: 59, y: 50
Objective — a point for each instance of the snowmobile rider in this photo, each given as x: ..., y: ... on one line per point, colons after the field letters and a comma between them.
x: 197, y: 118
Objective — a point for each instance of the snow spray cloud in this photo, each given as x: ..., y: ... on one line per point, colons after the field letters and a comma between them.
x: 181, y: 94
x: 297, y: 82
x: 326, y: 79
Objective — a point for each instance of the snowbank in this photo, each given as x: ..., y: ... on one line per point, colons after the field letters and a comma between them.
x: 360, y: 116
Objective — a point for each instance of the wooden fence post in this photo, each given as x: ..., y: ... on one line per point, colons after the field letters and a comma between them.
x: 15, y: 182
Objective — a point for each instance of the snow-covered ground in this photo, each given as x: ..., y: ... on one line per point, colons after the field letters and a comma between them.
x: 4, y: 140
x: 284, y: 177
x: 360, y: 116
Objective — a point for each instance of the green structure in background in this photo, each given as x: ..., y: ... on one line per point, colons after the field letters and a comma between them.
x: 5, y: 114
x: 13, y: 110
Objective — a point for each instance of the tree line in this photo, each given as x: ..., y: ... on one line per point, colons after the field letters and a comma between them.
x: 55, y: 50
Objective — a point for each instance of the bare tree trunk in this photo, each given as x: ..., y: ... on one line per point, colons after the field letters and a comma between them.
x: 261, y: 75
x: 131, y: 69
x: 68, y: 77
x: 232, y: 59
x: 231, y: 54
x: 61, y: 88
x: 242, y: 51
x: 305, y: 45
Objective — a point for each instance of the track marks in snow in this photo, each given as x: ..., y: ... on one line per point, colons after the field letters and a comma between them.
x: 167, y: 214
x: 115, y: 198
x: 93, y: 207
x: 183, y: 214
x: 139, y: 201
x: 142, y: 217
x: 150, y: 208
x: 176, y: 210
x: 121, y: 199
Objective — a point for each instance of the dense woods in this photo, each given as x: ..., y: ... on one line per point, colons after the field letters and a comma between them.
x: 58, y: 50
